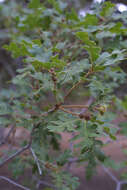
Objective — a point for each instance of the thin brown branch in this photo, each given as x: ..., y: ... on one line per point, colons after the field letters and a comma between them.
x: 73, y: 87
x: 50, y: 111
x: 10, y: 131
x: 36, y: 160
x: 118, y: 186
x: 88, y: 105
x: 67, y: 111
x: 75, y: 106
x: 110, y: 174
x: 21, y: 150
x: 13, y: 182
x: 77, y: 84
x: 39, y: 182
x: 7, y: 136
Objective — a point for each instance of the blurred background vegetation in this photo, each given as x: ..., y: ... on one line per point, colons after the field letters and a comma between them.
x: 9, y: 12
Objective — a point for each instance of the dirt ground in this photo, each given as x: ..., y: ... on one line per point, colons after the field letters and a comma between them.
x: 101, y: 181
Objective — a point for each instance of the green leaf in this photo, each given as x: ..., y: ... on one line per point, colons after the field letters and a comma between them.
x: 117, y: 28
x: 107, y: 9
x: 107, y: 130
x: 100, y: 155
x: 57, y: 5
x: 72, y: 15
x: 90, y: 20
x: 124, y: 103
x: 34, y: 4
x: 4, y: 109
x: 74, y: 71
x: 112, y: 137
x: 93, y: 50
x: 90, y: 46
x: 104, y: 34
x: 84, y: 37
x: 112, y: 164
x: 103, y: 58
x: 17, y: 50
x: 60, y: 126
x: 123, y: 128
x: 107, y: 59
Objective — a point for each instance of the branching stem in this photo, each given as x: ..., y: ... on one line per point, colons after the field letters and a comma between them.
x: 77, y: 84
x: 36, y: 160
x: 13, y: 182
x: 75, y: 106
x: 21, y: 150
x: 68, y: 111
